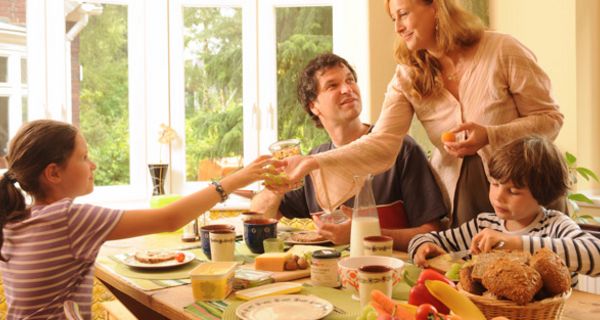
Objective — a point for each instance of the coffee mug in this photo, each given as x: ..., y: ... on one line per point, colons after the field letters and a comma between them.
x: 222, y: 245
x: 378, y: 246
x: 256, y: 231
x: 204, y: 235
x: 247, y: 215
x: 371, y: 278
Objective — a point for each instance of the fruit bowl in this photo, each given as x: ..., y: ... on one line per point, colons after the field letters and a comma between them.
x: 348, y: 269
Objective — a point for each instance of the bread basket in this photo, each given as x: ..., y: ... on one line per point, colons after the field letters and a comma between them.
x: 546, y: 309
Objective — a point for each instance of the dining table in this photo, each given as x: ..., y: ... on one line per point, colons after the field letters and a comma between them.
x: 154, y: 301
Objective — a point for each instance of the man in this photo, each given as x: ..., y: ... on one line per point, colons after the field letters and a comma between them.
x: 408, y: 199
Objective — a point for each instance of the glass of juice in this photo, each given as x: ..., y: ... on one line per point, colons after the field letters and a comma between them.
x: 284, y: 149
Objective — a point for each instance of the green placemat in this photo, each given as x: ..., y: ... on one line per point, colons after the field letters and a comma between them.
x: 181, y: 272
x: 342, y: 299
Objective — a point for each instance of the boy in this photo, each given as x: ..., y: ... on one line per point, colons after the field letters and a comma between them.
x: 527, y: 174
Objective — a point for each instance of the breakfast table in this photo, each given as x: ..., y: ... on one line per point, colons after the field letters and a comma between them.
x: 167, y: 299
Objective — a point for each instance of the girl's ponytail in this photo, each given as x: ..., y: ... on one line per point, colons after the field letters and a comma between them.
x: 12, y: 204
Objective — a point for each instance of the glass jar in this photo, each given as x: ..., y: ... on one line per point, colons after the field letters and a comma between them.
x: 324, y: 268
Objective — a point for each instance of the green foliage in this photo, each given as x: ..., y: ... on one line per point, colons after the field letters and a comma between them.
x: 104, y: 91
x: 573, y: 198
x: 302, y: 34
x: 213, y: 85
x: 213, y: 78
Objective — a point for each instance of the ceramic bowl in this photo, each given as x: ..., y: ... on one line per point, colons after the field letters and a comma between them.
x: 348, y: 269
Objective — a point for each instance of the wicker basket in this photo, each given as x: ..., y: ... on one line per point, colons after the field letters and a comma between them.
x: 547, y: 309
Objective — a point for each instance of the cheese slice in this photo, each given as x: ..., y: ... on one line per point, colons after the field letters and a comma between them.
x: 269, y: 290
x: 271, y: 261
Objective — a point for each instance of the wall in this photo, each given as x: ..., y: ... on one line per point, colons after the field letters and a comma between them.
x: 13, y: 11
x: 381, y: 49
x: 565, y: 40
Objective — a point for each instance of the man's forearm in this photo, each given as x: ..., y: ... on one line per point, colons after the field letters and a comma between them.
x: 267, y: 202
x: 403, y: 236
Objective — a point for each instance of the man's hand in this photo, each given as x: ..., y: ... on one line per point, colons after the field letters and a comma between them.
x: 267, y: 203
x: 338, y: 233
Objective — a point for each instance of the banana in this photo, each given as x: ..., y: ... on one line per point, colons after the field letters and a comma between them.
x: 458, y: 303
x: 408, y: 307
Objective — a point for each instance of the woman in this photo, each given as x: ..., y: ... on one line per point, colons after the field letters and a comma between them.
x: 483, y: 86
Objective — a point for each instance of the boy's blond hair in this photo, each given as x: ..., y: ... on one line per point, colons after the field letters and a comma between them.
x: 533, y: 162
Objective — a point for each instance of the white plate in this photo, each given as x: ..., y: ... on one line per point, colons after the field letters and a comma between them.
x: 130, y: 261
x: 287, y: 238
x: 288, y: 307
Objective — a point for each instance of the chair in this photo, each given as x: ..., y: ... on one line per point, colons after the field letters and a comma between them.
x: 72, y: 310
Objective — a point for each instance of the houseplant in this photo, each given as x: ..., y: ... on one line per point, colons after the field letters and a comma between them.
x: 575, y: 197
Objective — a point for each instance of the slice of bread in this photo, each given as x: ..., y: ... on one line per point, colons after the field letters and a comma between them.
x: 154, y: 256
x: 483, y: 261
x: 443, y: 262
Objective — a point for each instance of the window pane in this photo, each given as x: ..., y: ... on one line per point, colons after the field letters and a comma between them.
x: 213, y: 91
x: 3, y: 69
x: 24, y: 110
x: 23, y: 71
x: 3, y: 126
x: 104, y: 104
x: 302, y: 33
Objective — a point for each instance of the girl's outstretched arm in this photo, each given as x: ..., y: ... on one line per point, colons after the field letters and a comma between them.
x: 177, y: 214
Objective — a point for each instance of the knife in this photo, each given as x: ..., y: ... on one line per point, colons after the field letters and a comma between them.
x: 459, y: 255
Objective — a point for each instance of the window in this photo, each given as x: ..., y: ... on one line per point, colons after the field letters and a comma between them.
x: 13, y: 82
x: 103, y: 110
x: 238, y: 79
x: 219, y: 75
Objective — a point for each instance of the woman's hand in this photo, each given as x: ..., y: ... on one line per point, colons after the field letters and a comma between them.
x: 477, y: 138
x: 425, y: 251
x: 297, y: 167
x: 487, y: 240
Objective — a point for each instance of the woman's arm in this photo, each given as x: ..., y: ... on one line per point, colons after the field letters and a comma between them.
x: 177, y: 214
x: 370, y: 154
x: 530, y: 88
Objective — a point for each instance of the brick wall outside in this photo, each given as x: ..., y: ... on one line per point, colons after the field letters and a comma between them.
x: 13, y: 11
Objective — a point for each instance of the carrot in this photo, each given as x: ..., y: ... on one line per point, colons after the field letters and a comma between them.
x: 389, y: 306
x: 379, y: 308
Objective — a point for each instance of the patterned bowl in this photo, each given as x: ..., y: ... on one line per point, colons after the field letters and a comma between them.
x: 348, y: 269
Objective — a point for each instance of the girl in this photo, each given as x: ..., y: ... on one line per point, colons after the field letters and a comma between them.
x: 48, y: 249
x: 526, y: 175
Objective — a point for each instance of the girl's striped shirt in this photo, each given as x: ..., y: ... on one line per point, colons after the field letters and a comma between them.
x: 50, y: 258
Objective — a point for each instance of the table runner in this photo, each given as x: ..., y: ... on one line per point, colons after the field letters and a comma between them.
x: 342, y: 299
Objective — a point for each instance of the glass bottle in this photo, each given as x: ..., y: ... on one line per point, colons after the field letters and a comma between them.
x: 365, y: 220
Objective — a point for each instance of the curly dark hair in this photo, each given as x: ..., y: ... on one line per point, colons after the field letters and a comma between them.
x: 308, y: 84
x: 533, y: 162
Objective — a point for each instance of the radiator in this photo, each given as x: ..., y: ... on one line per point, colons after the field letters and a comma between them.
x: 589, y: 284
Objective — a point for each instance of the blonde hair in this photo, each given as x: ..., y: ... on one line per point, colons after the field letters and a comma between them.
x: 456, y: 28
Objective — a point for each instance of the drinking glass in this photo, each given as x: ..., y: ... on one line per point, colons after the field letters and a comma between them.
x: 281, y: 150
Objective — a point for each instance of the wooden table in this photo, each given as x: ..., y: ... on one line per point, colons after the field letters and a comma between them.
x: 168, y: 303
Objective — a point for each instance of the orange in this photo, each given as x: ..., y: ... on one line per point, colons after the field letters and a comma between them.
x: 448, y: 137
